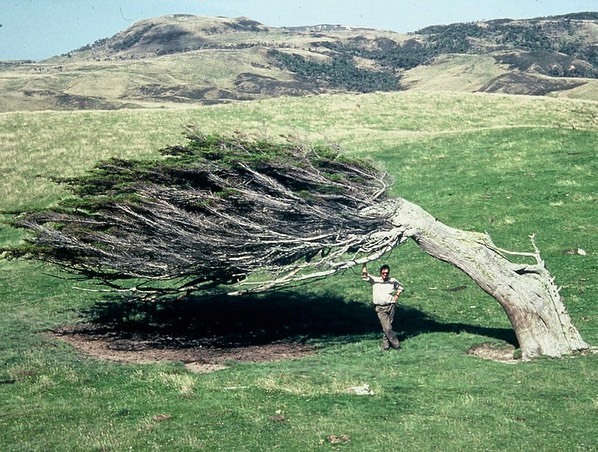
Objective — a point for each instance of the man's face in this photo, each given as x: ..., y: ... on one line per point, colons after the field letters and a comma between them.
x: 385, y: 274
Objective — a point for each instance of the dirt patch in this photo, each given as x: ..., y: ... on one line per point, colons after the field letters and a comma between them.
x: 202, y: 357
x: 501, y: 353
x: 197, y: 355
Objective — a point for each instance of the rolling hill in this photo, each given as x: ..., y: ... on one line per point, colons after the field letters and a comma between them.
x: 183, y: 59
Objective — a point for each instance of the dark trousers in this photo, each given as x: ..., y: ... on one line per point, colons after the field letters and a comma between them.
x: 386, y: 314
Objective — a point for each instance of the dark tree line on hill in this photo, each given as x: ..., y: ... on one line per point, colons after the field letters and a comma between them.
x: 340, y: 72
x: 537, y: 40
x: 534, y: 35
x: 257, y: 215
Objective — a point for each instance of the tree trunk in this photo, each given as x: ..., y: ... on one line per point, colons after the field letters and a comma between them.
x: 527, y: 293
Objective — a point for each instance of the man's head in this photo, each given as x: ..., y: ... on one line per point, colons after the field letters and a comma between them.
x: 385, y: 272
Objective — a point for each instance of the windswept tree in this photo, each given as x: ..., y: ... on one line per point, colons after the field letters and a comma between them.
x: 254, y: 215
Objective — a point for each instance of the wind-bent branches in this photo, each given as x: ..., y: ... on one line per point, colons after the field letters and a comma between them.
x: 359, y: 251
x: 213, y: 212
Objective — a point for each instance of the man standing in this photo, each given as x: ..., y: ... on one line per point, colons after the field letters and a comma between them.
x: 385, y: 292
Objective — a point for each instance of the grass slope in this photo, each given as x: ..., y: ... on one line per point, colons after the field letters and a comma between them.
x: 506, y: 164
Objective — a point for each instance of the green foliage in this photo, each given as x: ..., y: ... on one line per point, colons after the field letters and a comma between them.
x: 118, y: 180
x: 164, y: 219
x: 341, y: 72
x: 386, y: 52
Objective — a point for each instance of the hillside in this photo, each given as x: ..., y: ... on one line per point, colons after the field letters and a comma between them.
x: 183, y: 59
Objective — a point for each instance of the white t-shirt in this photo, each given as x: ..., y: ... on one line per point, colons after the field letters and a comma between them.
x: 383, y: 291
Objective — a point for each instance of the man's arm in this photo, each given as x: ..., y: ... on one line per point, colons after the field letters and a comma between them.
x: 398, y: 290
x: 366, y: 276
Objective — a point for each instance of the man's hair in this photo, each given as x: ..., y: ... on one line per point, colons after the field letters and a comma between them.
x: 384, y: 267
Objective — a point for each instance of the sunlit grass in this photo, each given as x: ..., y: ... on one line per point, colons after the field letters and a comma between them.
x: 37, y: 146
x: 454, y: 72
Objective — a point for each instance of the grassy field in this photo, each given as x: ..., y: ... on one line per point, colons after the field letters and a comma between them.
x: 512, y: 166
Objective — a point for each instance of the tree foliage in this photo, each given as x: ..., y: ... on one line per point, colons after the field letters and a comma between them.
x: 208, y: 213
x: 340, y: 72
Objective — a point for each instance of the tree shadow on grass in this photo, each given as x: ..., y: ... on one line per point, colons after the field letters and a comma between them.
x: 411, y: 322
x: 229, y: 322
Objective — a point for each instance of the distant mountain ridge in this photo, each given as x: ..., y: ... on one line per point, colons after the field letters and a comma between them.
x: 177, y: 33
x: 185, y: 59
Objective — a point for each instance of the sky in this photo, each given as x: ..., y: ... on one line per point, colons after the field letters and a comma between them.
x: 39, y: 29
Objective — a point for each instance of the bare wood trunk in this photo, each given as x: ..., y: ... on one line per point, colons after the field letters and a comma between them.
x: 527, y: 293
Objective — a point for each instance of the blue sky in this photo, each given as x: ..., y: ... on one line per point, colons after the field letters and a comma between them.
x: 38, y: 29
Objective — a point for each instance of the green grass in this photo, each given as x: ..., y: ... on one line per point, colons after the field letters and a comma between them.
x: 512, y: 166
